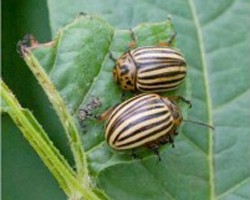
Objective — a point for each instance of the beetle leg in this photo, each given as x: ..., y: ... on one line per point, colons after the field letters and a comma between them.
x: 106, y: 114
x: 171, y: 39
x: 111, y: 56
x: 134, y: 40
x: 186, y: 101
x: 164, y: 140
x: 171, y: 140
x: 157, y: 153
x: 155, y: 148
x: 134, y: 155
x: 123, y: 98
x: 167, y: 139
x: 175, y: 98
x: 135, y: 93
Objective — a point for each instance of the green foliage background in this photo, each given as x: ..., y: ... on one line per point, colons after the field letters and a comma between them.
x: 214, y: 36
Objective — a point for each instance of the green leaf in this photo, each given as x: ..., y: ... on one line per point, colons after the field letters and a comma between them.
x: 214, y: 36
x: 79, y: 66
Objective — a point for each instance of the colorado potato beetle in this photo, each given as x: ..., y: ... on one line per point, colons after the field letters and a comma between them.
x: 150, y: 68
x: 144, y: 120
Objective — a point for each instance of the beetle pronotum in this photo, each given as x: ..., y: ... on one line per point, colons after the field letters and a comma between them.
x: 144, y: 120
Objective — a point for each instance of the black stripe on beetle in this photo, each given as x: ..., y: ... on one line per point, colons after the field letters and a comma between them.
x: 156, y: 63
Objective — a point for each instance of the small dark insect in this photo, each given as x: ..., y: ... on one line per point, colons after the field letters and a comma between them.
x: 144, y: 120
x: 85, y: 112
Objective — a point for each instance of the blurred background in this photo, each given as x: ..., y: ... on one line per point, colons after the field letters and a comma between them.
x: 24, y: 176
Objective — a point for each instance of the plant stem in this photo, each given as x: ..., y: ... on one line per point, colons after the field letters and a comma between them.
x: 38, y: 139
x: 62, y: 111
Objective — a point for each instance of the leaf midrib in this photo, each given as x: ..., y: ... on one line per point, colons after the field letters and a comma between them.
x: 208, y: 96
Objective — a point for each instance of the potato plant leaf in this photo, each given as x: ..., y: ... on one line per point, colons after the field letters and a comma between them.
x: 214, y: 36
x: 78, y: 64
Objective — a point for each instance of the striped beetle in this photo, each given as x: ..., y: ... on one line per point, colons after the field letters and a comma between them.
x: 144, y: 120
x: 150, y: 68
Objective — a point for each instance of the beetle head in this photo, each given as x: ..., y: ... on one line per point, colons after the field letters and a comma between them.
x: 175, y: 111
x: 124, y: 72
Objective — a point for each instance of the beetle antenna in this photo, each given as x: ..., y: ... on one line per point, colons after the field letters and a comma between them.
x: 200, y: 123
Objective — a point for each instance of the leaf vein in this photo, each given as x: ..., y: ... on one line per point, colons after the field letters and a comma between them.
x: 220, y: 13
x: 235, y: 187
x: 193, y: 144
x: 157, y: 181
x: 246, y: 92
x: 197, y: 24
